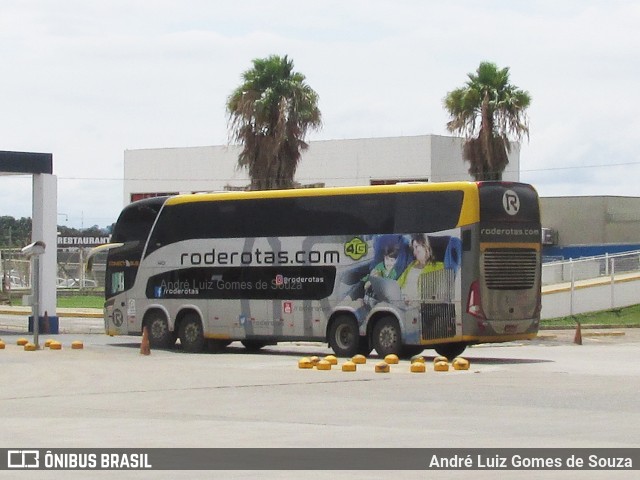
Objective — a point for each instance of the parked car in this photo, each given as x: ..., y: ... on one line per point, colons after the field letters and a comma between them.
x: 64, y: 282
x: 17, y: 282
x: 75, y: 283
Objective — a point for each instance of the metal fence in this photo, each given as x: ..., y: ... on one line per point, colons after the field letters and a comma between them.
x: 588, y: 268
x: 590, y: 284
x: 71, y: 279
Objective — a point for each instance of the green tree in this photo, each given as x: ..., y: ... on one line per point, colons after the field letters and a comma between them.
x: 270, y: 114
x: 487, y: 111
x: 15, y: 233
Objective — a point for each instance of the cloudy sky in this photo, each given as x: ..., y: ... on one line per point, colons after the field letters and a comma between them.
x: 87, y: 80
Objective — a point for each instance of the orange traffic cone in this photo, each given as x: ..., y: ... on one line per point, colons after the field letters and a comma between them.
x: 578, y: 338
x: 145, y: 348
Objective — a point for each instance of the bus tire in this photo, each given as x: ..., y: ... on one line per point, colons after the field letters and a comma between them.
x: 159, y: 334
x: 191, y: 334
x: 344, y: 336
x: 451, y: 350
x: 387, y: 337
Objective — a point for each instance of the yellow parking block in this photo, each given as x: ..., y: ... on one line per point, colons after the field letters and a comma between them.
x: 441, y: 367
x: 460, y: 363
x: 323, y: 365
x: 359, y: 359
x: 391, y: 359
x: 382, y: 367
x: 418, y: 367
x: 349, y: 366
x: 305, y: 362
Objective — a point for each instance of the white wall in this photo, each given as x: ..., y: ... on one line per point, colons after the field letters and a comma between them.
x: 599, y: 296
x: 358, y: 161
x: 332, y: 162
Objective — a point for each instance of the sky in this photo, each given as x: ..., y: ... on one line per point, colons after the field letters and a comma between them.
x: 86, y: 80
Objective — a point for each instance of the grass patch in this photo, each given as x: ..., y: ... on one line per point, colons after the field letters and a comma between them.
x: 80, y: 301
x: 627, y: 316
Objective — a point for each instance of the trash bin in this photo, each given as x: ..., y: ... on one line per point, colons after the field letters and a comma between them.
x: 45, y: 325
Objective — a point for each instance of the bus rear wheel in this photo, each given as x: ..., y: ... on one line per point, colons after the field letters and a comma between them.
x: 451, y: 350
x: 159, y: 334
x: 344, y: 336
x: 387, y: 337
x: 191, y: 334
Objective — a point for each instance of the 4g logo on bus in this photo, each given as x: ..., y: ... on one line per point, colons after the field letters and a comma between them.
x: 356, y: 248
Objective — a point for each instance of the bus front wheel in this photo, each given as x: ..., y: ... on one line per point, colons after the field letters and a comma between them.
x: 191, y: 334
x: 344, y: 336
x: 387, y: 337
x: 159, y: 334
x: 451, y: 350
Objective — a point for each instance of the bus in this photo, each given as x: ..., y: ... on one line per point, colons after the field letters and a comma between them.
x: 395, y: 268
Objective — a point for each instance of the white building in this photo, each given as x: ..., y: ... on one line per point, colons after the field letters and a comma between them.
x: 366, y: 161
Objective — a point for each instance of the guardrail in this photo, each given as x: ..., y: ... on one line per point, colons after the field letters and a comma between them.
x: 590, y: 284
x: 586, y: 268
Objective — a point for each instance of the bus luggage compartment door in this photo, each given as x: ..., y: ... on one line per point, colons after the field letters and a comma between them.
x: 438, y: 320
x: 437, y: 306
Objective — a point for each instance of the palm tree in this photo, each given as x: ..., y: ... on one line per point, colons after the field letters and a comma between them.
x: 486, y: 111
x: 270, y: 114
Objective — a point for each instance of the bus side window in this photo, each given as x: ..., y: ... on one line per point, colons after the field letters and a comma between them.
x: 117, y: 282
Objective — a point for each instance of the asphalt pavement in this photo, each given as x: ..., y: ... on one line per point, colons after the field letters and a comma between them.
x: 548, y: 392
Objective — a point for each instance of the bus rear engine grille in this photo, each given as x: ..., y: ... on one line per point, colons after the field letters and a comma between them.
x: 510, y: 268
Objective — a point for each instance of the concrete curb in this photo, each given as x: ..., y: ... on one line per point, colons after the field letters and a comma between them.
x: 593, y: 326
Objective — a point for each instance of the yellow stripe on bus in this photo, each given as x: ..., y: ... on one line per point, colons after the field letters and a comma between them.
x: 498, y: 338
x: 217, y: 336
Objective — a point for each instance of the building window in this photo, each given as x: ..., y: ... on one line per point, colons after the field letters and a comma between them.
x: 398, y: 180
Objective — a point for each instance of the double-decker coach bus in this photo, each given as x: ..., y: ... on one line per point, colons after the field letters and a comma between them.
x: 395, y: 268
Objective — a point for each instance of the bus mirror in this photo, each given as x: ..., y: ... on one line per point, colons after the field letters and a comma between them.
x: 98, y: 249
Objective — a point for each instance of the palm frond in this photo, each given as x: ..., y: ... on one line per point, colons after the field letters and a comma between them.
x: 488, y: 111
x: 270, y: 113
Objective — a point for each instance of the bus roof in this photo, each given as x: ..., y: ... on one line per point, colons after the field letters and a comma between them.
x: 467, y: 187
